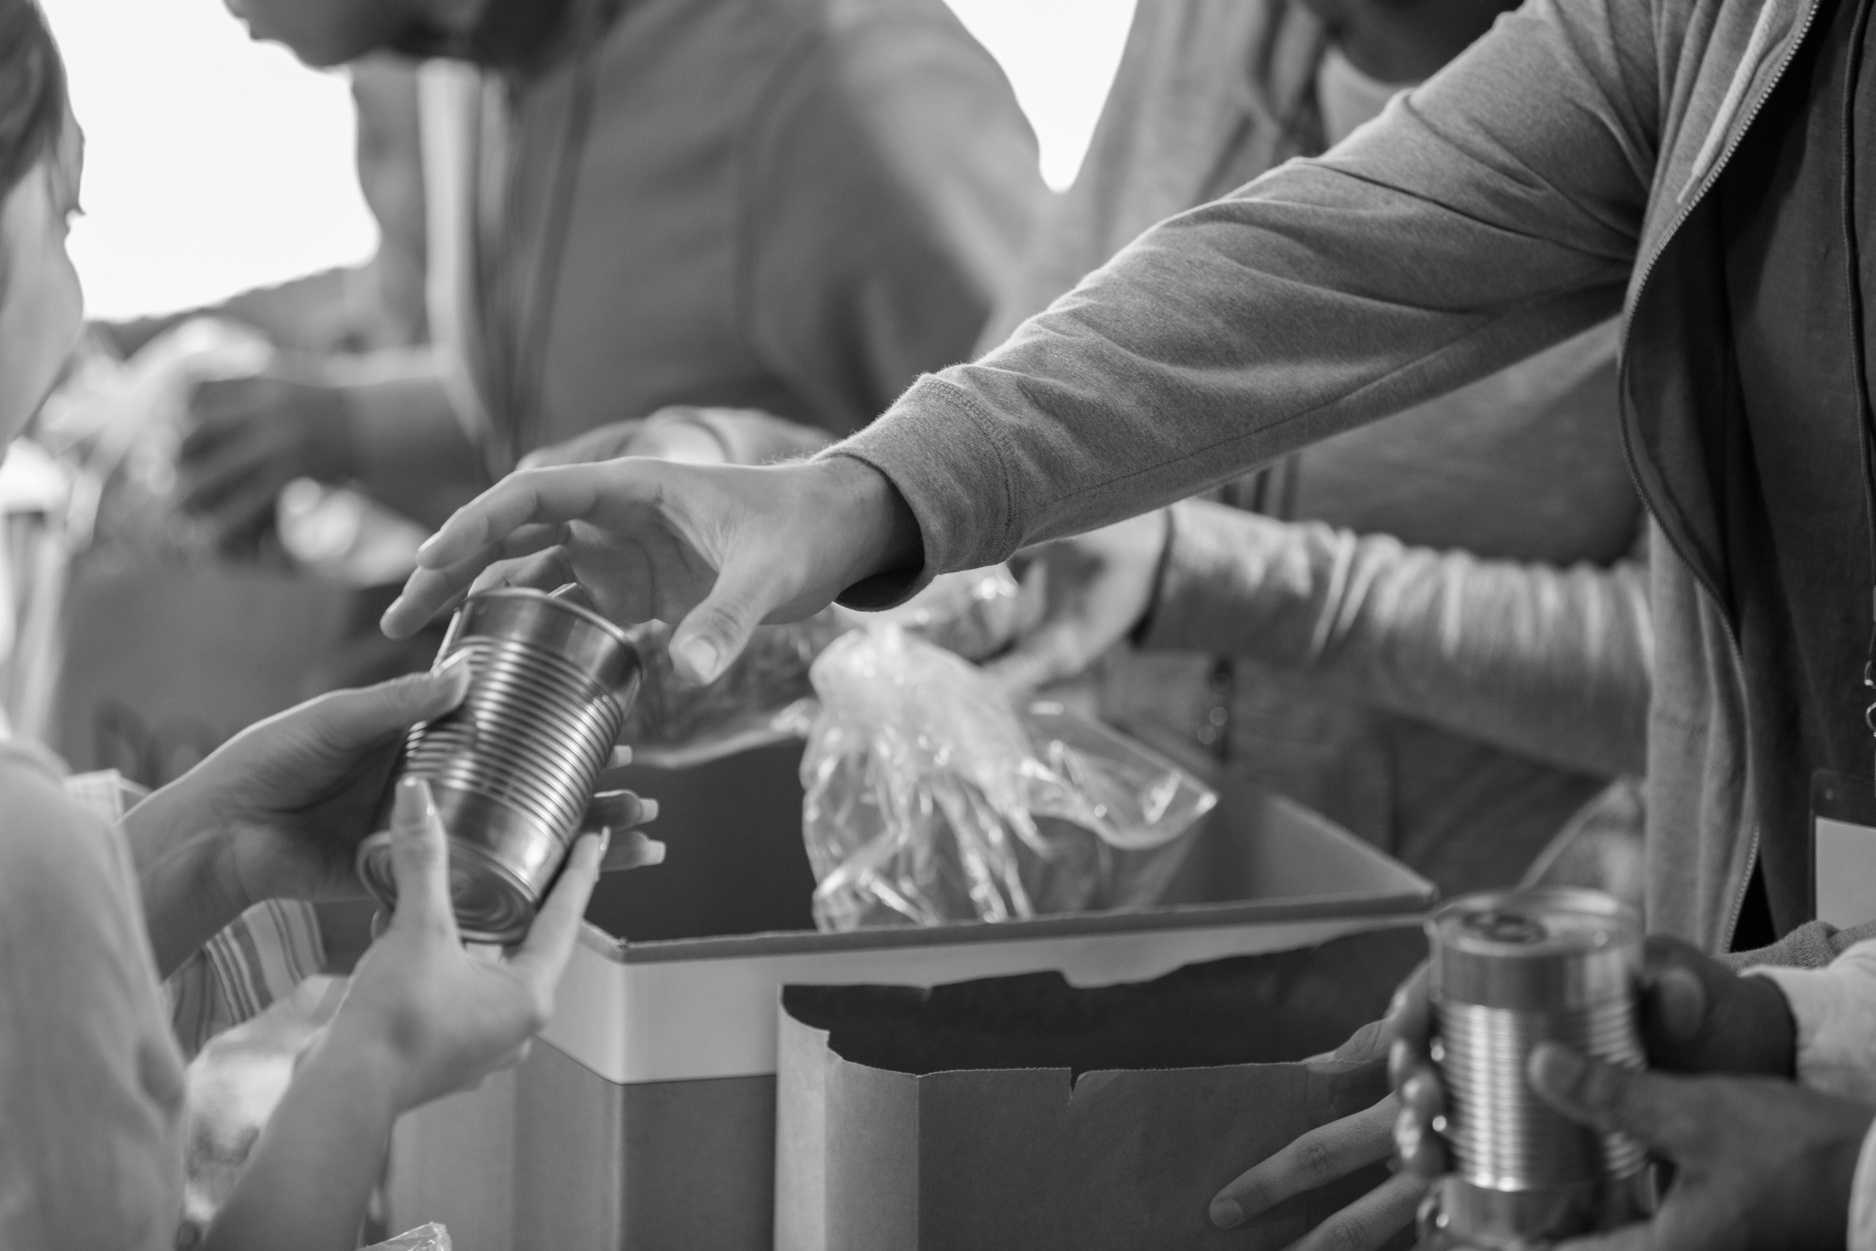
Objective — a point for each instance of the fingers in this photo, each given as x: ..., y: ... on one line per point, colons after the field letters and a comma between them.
x: 1662, y: 1112
x: 715, y: 632
x: 1370, y: 1222
x: 1323, y: 1155
x: 619, y: 810
x: 524, y: 513
x: 544, y: 953
x: 631, y: 850
x: 420, y: 862
x: 1410, y: 1013
x: 429, y: 591
x: 1421, y: 1120
x: 531, y: 497
x: 356, y: 719
x: 1674, y: 1002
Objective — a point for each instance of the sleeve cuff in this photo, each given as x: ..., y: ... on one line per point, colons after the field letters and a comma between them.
x: 1835, y: 1012
x: 946, y: 457
x: 1214, y: 589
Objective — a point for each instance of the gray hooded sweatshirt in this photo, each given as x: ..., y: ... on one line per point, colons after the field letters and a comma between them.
x: 1544, y: 181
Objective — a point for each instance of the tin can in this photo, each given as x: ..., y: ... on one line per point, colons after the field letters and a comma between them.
x: 513, y: 768
x: 1510, y: 970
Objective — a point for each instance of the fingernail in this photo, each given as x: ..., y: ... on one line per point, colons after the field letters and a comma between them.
x: 412, y: 808
x: 700, y: 656
x: 647, y: 810
x: 605, y: 842
x: 1226, y: 1214
x: 384, y: 622
x: 1399, y: 1059
x: 456, y: 663
x: 425, y: 548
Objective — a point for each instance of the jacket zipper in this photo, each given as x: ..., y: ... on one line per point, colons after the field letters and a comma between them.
x: 1700, y: 575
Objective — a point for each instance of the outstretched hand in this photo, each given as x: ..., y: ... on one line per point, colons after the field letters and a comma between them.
x: 717, y: 550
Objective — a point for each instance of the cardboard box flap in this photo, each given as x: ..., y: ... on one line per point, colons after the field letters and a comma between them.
x: 1023, y: 1111
x: 1260, y: 1009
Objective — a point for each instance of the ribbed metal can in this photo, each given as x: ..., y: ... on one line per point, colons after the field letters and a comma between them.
x: 1511, y: 970
x: 513, y: 768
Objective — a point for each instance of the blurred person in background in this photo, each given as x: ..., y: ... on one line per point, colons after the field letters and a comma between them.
x: 789, y: 207
x: 93, y: 911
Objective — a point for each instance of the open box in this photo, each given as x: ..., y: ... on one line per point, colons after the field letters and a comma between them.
x: 646, y: 1116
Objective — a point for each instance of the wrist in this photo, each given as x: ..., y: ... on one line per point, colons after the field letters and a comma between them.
x: 365, y: 1049
x: 865, y: 504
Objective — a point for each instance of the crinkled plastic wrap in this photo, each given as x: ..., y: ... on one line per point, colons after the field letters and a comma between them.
x: 930, y: 799
x: 431, y: 1237
x: 760, y: 697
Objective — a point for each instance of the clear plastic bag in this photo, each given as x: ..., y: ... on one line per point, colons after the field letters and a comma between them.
x: 760, y: 697
x: 930, y: 799
x: 431, y: 1237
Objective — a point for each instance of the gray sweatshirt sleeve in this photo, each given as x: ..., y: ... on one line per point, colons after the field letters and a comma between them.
x: 1492, y: 211
x: 1550, y: 662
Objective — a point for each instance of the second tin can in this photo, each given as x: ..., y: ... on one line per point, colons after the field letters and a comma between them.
x: 512, y: 769
x: 1511, y: 970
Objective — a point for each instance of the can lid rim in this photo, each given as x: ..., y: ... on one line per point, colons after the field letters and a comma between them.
x: 615, y: 631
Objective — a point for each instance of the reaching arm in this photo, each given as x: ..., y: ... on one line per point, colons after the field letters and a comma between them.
x: 1494, y: 210
x: 1551, y: 662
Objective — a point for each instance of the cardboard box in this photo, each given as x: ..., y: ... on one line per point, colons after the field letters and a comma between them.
x: 1024, y: 1112
x: 646, y: 1116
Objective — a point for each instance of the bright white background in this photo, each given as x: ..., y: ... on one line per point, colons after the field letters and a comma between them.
x: 214, y: 164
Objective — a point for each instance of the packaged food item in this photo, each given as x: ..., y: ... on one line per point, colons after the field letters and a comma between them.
x: 931, y: 799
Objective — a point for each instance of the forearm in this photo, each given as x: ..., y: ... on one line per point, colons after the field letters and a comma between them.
x: 406, y: 446
x: 1420, y: 256
x: 323, y: 1151
x: 1549, y: 662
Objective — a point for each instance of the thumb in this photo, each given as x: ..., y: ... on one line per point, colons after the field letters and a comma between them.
x: 1660, y: 1112
x: 715, y: 632
x: 367, y: 715
x: 420, y: 861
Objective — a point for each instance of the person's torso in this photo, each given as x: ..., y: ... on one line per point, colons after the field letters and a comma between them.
x: 93, y: 1136
x: 1721, y: 789
x: 622, y: 206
